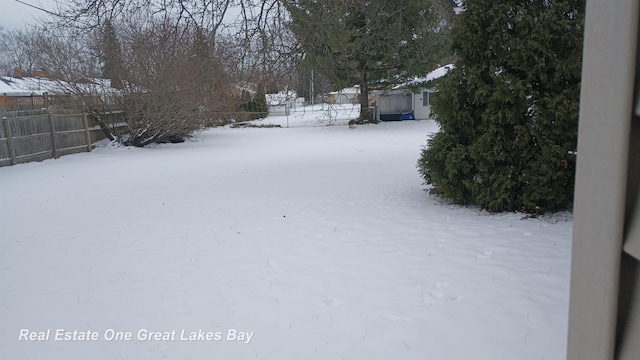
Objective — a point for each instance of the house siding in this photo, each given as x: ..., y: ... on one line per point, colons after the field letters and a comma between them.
x: 420, y: 110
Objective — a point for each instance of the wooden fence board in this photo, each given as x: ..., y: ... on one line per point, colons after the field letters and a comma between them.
x: 29, y: 125
x: 67, y: 122
x: 34, y: 157
x: 71, y: 139
x: 32, y: 144
x: 37, y: 136
x: 4, y: 149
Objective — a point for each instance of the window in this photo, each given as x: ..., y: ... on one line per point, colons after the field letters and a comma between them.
x: 427, y: 97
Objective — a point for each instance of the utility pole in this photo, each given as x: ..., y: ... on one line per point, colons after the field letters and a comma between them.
x: 312, y: 95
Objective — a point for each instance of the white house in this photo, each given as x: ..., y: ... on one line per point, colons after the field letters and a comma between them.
x: 350, y: 95
x: 282, y: 102
x: 400, y: 103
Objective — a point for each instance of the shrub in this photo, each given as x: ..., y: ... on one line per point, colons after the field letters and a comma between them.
x: 508, y: 112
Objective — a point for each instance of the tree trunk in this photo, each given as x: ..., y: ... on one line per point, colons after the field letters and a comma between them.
x: 366, y: 115
x: 103, y: 126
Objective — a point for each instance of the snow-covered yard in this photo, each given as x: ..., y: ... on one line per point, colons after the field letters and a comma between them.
x: 308, y: 242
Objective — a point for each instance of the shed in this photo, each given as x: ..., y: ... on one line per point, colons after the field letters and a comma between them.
x: 403, y: 104
x: 400, y: 103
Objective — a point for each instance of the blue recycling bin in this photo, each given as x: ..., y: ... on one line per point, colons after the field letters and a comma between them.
x: 408, y: 116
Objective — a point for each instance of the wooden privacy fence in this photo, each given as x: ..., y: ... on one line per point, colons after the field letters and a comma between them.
x: 41, y: 136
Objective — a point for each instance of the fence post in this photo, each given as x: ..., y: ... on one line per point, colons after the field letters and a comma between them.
x: 7, y: 131
x: 53, y: 135
x: 87, y: 134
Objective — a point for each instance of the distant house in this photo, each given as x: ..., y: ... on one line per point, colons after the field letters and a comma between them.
x: 349, y: 95
x: 404, y: 103
x: 29, y: 93
x: 282, y: 102
x: 14, y: 95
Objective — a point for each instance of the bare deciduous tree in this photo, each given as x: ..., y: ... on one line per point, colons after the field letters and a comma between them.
x: 184, y: 61
x: 19, y: 51
x: 176, y: 84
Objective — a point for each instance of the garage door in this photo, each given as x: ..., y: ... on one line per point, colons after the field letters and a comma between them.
x: 394, y: 104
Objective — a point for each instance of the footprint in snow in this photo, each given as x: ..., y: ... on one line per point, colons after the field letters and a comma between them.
x: 331, y: 301
x: 487, y: 252
x: 273, y: 265
x: 439, y: 295
x: 396, y: 318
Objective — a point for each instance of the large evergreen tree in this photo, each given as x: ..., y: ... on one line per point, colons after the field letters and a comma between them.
x: 112, y: 66
x: 508, y: 112
x: 367, y: 42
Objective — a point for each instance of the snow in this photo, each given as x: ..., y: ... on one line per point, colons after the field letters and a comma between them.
x: 308, y: 242
x: 439, y: 72
x: 5, y: 87
x: 348, y: 90
x: 30, y: 85
x: 26, y: 86
x: 281, y: 98
x: 433, y: 75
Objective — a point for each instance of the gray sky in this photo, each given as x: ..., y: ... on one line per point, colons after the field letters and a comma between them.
x: 14, y: 15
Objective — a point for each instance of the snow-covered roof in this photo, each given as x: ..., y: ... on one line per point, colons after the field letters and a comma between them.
x: 281, y: 97
x: 349, y: 90
x: 26, y: 86
x: 97, y: 85
x: 435, y: 74
x: 5, y: 87
x: 36, y: 86
x: 439, y: 72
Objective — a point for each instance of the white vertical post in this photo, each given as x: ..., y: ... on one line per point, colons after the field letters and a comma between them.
x: 606, y: 102
x: 312, y: 94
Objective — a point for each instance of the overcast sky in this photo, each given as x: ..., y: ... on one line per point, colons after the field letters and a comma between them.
x: 14, y: 15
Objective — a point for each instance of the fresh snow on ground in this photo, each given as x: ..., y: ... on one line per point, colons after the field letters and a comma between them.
x: 317, y: 242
